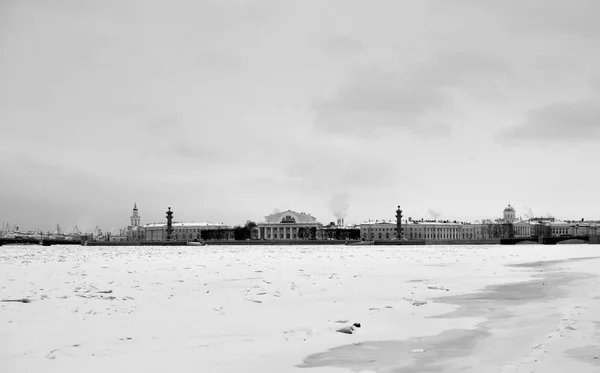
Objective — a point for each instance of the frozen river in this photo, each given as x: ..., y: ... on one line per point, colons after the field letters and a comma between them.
x: 276, y: 309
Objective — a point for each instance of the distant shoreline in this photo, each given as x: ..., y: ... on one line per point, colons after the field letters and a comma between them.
x: 510, y: 241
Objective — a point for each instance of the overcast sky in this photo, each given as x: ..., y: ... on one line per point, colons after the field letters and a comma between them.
x: 229, y: 110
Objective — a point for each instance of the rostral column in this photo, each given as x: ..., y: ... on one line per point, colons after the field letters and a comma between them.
x: 169, y: 224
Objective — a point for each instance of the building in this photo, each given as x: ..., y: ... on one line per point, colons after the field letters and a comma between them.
x: 522, y: 229
x: 135, y: 217
x: 583, y: 228
x: 288, y: 225
x: 132, y: 233
x: 182, y: 231
x: 509, y: 214
x: 440, y: 230
x: 378, y: 230
x: 435, y: 230
x: 559, y: 228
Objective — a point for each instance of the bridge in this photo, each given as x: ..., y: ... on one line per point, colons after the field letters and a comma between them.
x: 553, y: 240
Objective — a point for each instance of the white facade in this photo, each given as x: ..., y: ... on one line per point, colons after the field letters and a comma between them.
x: 522, y: 229
x: 181, y: 231
x: 287, y: 225
x: 132, y: 233
x: 584, y: 228
x: 415, y: 230
x: 135, y: 217
x: 378, y: 230
x: 509, y: 214
x: 560, y: 228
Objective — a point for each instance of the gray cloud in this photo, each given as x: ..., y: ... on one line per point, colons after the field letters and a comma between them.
x: 559, y: 122
x: 57, y: 194
x: 288, y: 103
x: 372, y: 99
x: 579, y: 18
x: 344, y: 45
x: 545, y: 17
x: 323, y: 169
x: 172, y: 137
x: 420, y: 99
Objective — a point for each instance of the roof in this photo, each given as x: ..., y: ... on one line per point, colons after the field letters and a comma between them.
x: 450, y: 223
x: 509, y: 208
x: 559, y: 223
x: 290, y: 216
x: 175, y: 225
x: 379, y: 222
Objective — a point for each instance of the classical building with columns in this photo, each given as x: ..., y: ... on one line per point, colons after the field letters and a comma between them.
x: 288, y: 225
x: 505, y: 227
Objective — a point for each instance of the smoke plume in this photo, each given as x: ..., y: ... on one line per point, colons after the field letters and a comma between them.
x: 434, y: 214
x: 339, y: 204
x: 529, y: 213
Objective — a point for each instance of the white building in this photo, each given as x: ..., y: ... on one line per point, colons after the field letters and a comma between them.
x: 181, y: 231
x: 378, y: 230
x: 509, y: 214
x: 132, y: 233
x: 522, y: 229
x: 437, y: 230
x: 583, y: 228
x: 287, y: 225
x: 453, y: 230
x: 560, y: 228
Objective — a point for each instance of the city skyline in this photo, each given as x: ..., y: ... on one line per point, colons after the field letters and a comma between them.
x: 433, y: 216
x: 227, y: 111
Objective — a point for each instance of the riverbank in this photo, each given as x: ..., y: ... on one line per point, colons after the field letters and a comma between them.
x: 508, y: 241
x: 136, y: 243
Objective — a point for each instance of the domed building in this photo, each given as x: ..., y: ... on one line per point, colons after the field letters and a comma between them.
x: 522, y: 228
x: 288, y: 225
x: 509, y: 214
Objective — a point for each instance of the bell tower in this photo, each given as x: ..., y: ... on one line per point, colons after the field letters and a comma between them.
x: 135, y: 218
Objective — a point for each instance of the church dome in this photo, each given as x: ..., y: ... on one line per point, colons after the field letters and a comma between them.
x: 509, y: 208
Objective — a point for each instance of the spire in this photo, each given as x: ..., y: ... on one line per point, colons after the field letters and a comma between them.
x: 135, y: 218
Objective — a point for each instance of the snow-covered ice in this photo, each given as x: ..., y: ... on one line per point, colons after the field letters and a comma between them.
x: 278, y: 309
